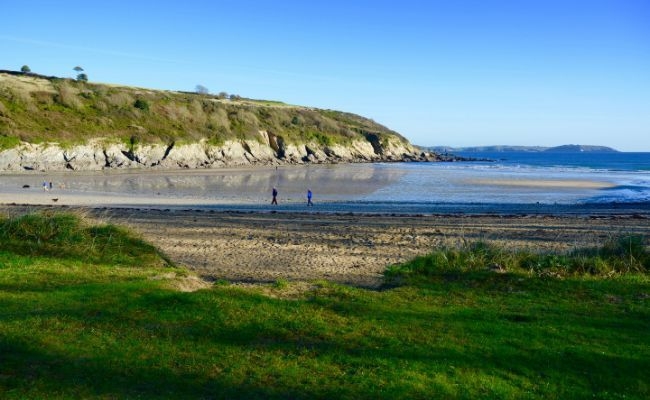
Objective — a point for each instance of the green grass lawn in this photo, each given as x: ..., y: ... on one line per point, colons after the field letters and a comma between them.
x: 91, y: 312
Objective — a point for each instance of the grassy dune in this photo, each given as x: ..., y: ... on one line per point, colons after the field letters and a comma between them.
x: 91, y: 312
x: 38, y: 109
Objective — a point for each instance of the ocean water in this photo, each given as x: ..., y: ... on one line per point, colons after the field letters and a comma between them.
x: 628, y: 173
x: 525, y: 178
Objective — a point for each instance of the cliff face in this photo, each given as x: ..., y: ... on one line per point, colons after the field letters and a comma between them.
x: 49, y: 123
x: 99, y: 155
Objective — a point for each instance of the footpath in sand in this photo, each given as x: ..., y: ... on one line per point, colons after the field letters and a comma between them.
x: 257, y: 247
x: 346, y: 249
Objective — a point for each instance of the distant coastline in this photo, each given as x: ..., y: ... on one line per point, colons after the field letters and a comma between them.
x: 567, y: 148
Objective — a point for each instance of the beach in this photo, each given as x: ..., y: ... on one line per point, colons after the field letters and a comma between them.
x: 221, y: 225
x: 347, y: 248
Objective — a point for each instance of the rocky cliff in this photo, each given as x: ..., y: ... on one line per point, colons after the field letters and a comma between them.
x: 49, y: 123
x: 99, y: 155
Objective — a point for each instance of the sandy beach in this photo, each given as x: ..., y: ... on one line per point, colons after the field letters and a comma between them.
x: 220, y: 224
x: 354, y: 249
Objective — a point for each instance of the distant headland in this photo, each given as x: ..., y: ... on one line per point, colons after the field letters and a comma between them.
x: 567, y: 148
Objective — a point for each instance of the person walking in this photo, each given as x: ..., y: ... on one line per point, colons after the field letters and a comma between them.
x: 309, y: 195
x: 275, y: 196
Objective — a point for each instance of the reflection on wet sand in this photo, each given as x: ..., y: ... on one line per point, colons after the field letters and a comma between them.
x: 328, y: 182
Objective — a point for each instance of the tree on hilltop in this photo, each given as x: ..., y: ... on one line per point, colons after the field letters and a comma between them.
x: 80, y: 76
x: 200, y: 89
x: 25, y: 69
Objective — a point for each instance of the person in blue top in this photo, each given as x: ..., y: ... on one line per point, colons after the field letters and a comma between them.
x: 309, y: 195
x: 275, y: 196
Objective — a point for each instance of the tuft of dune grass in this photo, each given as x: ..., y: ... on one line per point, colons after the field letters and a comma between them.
x: 620, y: 255
x: 69, y: 236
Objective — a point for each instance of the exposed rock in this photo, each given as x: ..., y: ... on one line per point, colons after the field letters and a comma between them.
x: 262, y: 153
x: 191, y: 155
x: 270, y: 149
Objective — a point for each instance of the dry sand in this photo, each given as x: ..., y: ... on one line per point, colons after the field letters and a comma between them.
x: 258, y: 247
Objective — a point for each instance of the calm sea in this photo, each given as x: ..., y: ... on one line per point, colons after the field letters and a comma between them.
x: 529, y: 180
x: 635, y: 162
x: 627, y: 173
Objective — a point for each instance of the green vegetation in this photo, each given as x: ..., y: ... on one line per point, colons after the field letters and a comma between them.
x: 622, y: 255
x: 38, y: 109
x: 108, y: 326
x: 8, y: 142
x: 141, y: 104
x: 65, y: 237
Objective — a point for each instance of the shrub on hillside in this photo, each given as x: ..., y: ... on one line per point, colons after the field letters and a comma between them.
x: 141, y: 104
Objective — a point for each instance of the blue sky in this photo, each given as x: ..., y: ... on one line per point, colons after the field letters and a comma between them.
x: 456, y: 73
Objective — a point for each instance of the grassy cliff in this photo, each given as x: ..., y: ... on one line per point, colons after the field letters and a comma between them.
x: 40, y: 109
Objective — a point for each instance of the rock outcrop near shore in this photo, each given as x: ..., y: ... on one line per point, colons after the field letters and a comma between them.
x: 50, y: 123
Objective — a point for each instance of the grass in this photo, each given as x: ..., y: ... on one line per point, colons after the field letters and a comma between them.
x: 101, y: 327
x: 623, y: 254
x: 38, y: 109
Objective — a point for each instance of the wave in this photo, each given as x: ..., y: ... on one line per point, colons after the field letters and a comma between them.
x: 623, y: 194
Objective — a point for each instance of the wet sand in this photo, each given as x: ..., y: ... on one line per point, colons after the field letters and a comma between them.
x: 543, y: 183
x: 348, y: 248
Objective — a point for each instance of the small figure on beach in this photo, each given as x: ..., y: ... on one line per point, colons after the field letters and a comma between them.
x: 44, y: 186
x: 50, y: 185
x: 275, y: 196
x: 309, y: 196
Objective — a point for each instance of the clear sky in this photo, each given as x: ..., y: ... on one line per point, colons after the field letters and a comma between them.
x: 452, y: 72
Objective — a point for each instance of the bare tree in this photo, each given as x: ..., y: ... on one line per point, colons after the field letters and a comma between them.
x: 200, y: 89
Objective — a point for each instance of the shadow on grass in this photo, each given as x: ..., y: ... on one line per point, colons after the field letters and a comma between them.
x: 42, y: 371
x: 350, y: 343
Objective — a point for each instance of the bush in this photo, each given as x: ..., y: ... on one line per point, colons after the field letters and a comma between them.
x: 141, y: 104
x: 67, y: 96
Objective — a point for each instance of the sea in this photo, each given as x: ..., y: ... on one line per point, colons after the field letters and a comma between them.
x: 527, y: 177
x: 501, y: 183
x: 522, y: 182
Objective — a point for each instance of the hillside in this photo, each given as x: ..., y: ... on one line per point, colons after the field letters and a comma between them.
x: 50, y: 123
x: 577, y: 148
